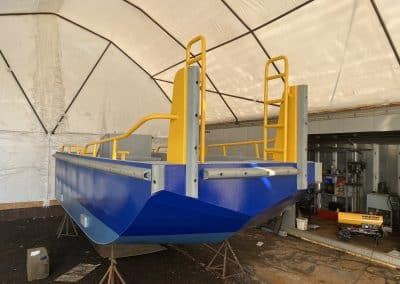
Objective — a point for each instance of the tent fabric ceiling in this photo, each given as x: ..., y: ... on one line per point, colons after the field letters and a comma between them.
x: 338, y: 48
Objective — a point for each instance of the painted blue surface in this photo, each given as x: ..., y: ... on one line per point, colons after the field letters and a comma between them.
x: 123, y: 210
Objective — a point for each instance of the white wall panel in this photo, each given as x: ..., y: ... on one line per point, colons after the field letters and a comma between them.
x: 385, y: 119
x: 27, y: 165
x: 23, y: 166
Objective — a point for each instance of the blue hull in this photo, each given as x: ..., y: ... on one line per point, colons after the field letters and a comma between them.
x: 112, y: 208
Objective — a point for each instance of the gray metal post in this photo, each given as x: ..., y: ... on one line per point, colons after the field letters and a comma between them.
x: 375, y: 167
x: 302, y: 135
x: 335, y: 158
x: 398, y: 173
x: 289, y: 217
x: 192, y: 132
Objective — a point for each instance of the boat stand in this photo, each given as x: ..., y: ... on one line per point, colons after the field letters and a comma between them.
x: 224, y: 251
x: 64, y: 229
x: 112, y: 273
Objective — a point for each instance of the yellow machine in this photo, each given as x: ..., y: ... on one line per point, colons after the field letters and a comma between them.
x: 359, y: 219
x: 359, y: 224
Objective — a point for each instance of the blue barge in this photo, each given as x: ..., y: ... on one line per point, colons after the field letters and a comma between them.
x: 186, y: 199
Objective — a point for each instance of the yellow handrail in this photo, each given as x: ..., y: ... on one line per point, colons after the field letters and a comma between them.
x: 129, y: 132
x: 283, y: 100
x: 157, y: 150
x: 69, y: 148
x: 223, y: 146
x: 123, y: 154
x: 201, y: 59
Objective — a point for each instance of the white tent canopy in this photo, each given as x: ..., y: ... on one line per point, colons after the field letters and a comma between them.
x: 72, y: 70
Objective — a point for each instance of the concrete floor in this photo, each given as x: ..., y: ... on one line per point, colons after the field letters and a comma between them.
x: 277, y: 260
x: 329, y: 229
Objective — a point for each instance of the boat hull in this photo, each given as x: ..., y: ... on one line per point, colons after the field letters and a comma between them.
x: 113, y: 208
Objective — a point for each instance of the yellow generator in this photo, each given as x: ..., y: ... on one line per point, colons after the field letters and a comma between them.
x: 359, y: 224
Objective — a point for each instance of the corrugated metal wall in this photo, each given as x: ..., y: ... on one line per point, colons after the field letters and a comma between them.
x: 389, y: 166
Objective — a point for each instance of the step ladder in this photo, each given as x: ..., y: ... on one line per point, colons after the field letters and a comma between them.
x: 282, y: 103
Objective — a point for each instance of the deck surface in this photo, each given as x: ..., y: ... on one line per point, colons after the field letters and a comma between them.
x: 277, y: 260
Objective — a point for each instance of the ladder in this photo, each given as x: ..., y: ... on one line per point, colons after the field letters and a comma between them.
x: 281, y: 123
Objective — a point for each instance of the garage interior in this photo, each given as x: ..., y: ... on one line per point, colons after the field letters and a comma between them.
x: 302, y: 94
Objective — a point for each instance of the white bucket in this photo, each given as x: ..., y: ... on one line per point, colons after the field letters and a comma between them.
x: 302, y: 223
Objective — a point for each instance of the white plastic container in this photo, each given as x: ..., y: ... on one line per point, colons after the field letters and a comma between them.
x: 37, y: 263
x: 302, y: 223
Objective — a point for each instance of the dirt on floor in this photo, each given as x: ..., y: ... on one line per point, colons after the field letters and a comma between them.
x: 292, y: 260
x: 167, y: 266
x: 266, y: 258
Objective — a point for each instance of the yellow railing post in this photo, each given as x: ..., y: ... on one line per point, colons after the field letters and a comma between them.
x: 224, y: 151
x: 286, y: 110
x: 201, y: 58
x: 123, y: 154
x: 283, y: 104
x: 257, y: 151
x: 157, y: 150
x: 114, y: 149
x: 94, y: 154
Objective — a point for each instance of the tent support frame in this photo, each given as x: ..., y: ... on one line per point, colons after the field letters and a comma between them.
x: 253, y: 34
x: 242, y: 35
x: 23, y: 91
x: 94, y: 33
x: 81, y: 87
x: 184, y: 47
x: 386, y: 31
